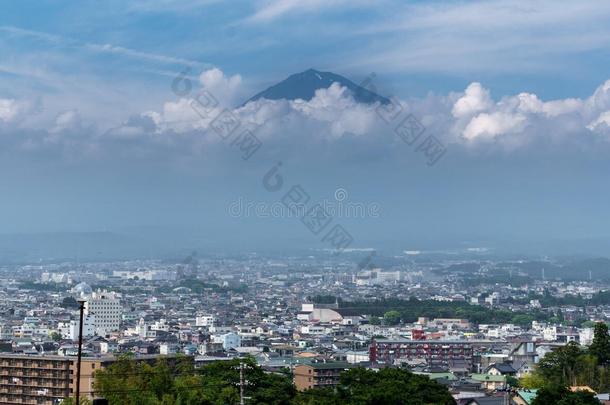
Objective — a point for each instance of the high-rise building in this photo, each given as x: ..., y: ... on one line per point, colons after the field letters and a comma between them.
x: 106, y: 306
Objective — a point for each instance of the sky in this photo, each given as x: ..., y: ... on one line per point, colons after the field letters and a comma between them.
x: 99, y: 134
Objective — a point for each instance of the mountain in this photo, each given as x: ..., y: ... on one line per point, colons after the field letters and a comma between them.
x: 304, y: 85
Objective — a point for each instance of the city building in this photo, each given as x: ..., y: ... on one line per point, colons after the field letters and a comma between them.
x: 26, y: 379
x: 106, y: 306
x: 318, y: 374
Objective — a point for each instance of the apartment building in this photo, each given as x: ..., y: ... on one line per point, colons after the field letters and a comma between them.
x: 458, y: 354
x: 318, y: 374
x: 40, y: 379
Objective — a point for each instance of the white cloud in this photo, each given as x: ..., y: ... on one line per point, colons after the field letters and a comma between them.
x: 331, y: 117
x: 273, y: 9
x: 475, y: 99
x: 67, y: 121
x: 101, y: 48
x: 12, y: 110
x: 225, y: 88
x: 484, y: 36
x: 487, y: 125
x: 601, y: 123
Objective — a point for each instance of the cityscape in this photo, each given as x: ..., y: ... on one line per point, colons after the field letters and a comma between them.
x: 475, y: 324
x: 304, y: 202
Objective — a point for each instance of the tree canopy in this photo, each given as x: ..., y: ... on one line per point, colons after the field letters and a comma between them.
x: 128, y: 382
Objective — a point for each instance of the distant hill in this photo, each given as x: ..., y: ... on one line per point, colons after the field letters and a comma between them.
x: 59, y: 246
x: 304, y: 85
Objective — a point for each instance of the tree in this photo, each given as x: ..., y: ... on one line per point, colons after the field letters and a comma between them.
x: 391, y: 317
x: 69, y: 302
x: 522, y: 319
x: 560, y: 395
x: 56, y: 336
x: 318, y: 396
x: 390, y: 386
x: 128, y: 382
x: 512, y: 381
x: 600, y: 347
x: 532, y: 381
x: 374, y: 320
x: 560, y: 367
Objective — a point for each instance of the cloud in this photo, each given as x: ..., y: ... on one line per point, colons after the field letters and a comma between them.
x: 274, y: 9
x: 487, y: 125
x: 67, y: 121
x: 475, y: 99
x: 483, y: 36
x: 472, y: 119
x: 226, y: 89
x: 12, y: 110
x: 101, y: 48
x: 170, y: 5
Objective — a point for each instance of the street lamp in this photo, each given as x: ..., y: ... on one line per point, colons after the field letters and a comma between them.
x: 81, y: 303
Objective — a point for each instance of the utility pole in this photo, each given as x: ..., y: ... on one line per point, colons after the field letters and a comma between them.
x: 81, y: 303
x: 241, y: 384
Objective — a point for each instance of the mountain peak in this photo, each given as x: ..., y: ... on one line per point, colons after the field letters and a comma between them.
x: 304, y: 85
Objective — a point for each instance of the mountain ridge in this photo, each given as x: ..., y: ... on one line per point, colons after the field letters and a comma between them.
x: 304, y: 85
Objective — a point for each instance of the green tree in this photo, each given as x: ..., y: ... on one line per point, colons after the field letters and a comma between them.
x: 69, y: 302
x: 600, y: 347
x: 522, y: 319
x: 560, y: 367
x: 391, y: 317
x: 319, y: 396
x: 532, y: 381
x: 562, y: 396
x: 390, y: 386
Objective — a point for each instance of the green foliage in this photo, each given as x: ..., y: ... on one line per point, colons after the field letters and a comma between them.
x: 128, y: 382
x: 600, y: 347
x: 69, y: 302
x: 33, y: 285
x: 563, y: 396
x: 572, y: 365
x: 413, y: 308
x: 565, y: 366
x: 390, y: 386
x: 523, y: 320
x: 532, y: 381
x: 512, y: 381
x: 391, y: 317
x: 324, y: 299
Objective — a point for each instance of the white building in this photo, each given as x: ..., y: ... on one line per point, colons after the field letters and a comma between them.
x: 70, y: 330
x: 377, y: 276
x: 354, y: 357
x: 229, y: 340
x: 585, y: 336
x: 106, y: 306
x: 204, y: 320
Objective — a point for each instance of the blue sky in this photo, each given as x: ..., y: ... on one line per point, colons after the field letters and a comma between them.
x: 94, y: 138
